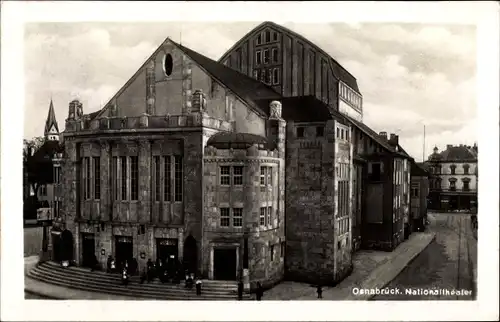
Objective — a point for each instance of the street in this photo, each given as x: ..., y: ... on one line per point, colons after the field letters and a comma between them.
x: 447, y: 264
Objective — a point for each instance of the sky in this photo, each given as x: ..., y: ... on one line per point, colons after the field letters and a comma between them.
x: 410, y: 75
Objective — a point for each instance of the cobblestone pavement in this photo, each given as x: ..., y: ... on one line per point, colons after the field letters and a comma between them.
x: 371, y: 269
x: 449, y: 263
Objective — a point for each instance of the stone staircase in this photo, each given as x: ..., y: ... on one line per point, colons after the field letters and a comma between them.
x: 101, y: 282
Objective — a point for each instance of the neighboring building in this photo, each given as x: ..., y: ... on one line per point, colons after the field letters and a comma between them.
x: 419, y: 195
x: 454, y: 186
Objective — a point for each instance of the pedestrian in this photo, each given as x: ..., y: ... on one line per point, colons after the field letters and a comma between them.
x: 319, y: 290
x: 144, y: 276
x: 198, y: 286
x: 125, y: 277
x: 94, y: 263
x: 113, y: 265
x: 108, y: 264
x: 260, y: 292
x: 240, y: 290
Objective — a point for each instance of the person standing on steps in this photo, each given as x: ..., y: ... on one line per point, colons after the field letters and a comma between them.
x: 198, y: 286
x: 260, y: 292
x: 240, y: 290
x: 125, y: 277
x: 319, y: 290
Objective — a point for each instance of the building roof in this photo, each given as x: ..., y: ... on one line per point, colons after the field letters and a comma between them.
x: 303, y: 109
x: 47, y: 150
x: 243, y: 86
x: 459, y: 153
x: 51, y: 120
x: 339, y: 72
x: 247, y: 88
x: 232, y: 140
x: 418, y: 170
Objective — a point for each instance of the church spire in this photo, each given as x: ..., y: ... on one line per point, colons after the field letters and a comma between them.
x: 51, y: 132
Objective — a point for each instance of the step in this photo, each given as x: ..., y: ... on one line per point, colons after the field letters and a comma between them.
x: 212, y: 284
x: 131, y: 287
x: 126, y: 290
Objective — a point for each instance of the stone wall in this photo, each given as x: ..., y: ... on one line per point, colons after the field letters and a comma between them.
x: 250, y: 196
x: 311, y: 226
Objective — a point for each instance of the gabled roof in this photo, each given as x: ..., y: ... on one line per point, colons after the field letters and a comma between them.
x: 243, y: 86
x: 303, y: 109
x: 339, y: 72
x: 371, y: 133
x: 51, y: 120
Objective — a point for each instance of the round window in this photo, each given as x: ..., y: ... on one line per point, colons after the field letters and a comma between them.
x: 167, y: 64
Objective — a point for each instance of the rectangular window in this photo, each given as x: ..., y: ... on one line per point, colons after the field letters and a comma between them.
x: 262, y: 218
x: 272, y: 252
x: 167, y: 180
x: 466, y: 170
x: 43, y: 190
x: 256, y: 74
x: 134, y: 178
x: 225, y: 176
x: 224, y: 217
x: 300, y: 132
x: 268, y: 36
x: 276, y: 76
x: 266, y: 56
x: 338, y: 133
x: 466, y: 186
x: 269, y: 78
x: 57, y: 175
x: 114, y: 178
x: 178, y: 178
x: 269, y: 176
x: 275, y: 36
x: 124, y: 178
x: 263, y: 175
x: 258, y: 57
x: 269, y: 215
x: 414, y: 192
x: 262, y: 76
x: 320, y: 131
x: 156, y: 162
x: 238, y: 175
x: 87, y: 178
x: 97, y: 178
x: 237, y: 217
x: 375, y: 174
x: 275, y: 55
x: 259, y: 39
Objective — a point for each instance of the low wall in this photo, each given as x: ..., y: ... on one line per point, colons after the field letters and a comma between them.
x: 32, y: 241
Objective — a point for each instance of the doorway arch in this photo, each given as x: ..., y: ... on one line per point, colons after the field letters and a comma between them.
x: 66, y: 246
x: 190, y: 254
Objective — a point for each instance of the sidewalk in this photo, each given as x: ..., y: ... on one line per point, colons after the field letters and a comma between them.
x: 372, y: 269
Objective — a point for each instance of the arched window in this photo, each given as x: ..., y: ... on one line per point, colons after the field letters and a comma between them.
x: 168, y: 64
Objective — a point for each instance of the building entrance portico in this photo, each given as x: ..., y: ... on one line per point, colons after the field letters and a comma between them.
x: 123, y: 249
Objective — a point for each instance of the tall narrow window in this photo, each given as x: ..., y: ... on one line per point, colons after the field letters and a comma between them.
x: 452, y: 169
x: 258, y: 57
x: 300, y: 132
x: 259, y: 39
x: 224, y: 217
x: 167, y: 183
x: 276, y: 76
x: 178, y: 178
x: 266, y: 56
x: 57, y: 175
x: 275, y: 36
x: 269, y: 215
x: 237, y: 217
x: 269, y: 78
x: 238, y: 175
x: 225, y: 176
x: 263, y: 174
x: 263, y: 75
x: 114, y: 175
x: 272, y: 252
x: 256, y: 74
x: 262, y: 217
x: 134, y: 178
x: 268, y: 36
x: 124, y: 178
x: 156, y: 161
x: 466, y: 169
x: 97, y: 178
x: 275, y: 55
x: 269, y: 176
x: 87, y: 178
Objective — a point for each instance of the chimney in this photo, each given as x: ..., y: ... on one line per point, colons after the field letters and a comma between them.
x: 394, y: 140
x: 449, y: 146
x: 383, y: 135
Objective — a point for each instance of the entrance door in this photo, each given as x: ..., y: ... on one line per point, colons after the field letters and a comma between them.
x: 167, y: 249
x: 123, y: 250
x: 88, y: 249
x: 225, y: 264
x: 56, y: 246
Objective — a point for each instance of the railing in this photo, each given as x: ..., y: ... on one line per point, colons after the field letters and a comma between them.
x: 148, y: 122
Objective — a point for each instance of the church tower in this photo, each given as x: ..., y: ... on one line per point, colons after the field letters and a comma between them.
x: 51, y: 132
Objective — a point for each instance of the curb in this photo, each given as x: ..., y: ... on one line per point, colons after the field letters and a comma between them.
x: 408, y: 263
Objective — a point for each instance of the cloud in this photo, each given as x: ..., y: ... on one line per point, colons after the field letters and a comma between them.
x: 409, y: 74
